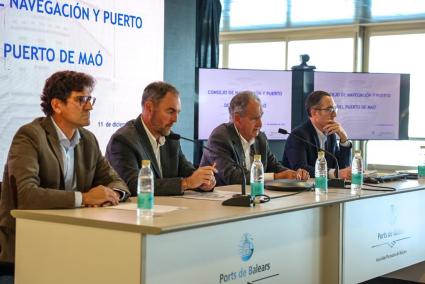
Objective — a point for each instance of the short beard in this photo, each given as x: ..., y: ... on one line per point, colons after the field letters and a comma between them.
x: 163, y: 131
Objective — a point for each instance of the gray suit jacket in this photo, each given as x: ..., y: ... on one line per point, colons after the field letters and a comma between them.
x: 130, y: 145
x: 228, y: 152
x: 33, y: 175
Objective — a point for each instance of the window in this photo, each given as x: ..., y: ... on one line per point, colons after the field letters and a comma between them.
x: 324, y: 11
x: 325, y: 54
x: 336, y: 34
x: 404, y: 153
x: 262, y: 55
x: 220, y: 56
x: 396, y: 8
x: 401, y: 54
x: 271, y: 14
x: 254, y: 13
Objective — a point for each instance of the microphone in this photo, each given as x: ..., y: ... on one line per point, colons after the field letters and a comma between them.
x: 335, y: 182
x: 242, y: 200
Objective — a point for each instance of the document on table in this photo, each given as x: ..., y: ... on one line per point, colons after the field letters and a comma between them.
x: 158, y: 209
x: 216, y: 195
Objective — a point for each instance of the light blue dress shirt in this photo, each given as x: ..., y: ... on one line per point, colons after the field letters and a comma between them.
x: 67, y: 147
x: 322, y: 140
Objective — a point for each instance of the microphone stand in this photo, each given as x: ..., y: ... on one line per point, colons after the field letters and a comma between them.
x: 241, y: 200
x: 334, y: 182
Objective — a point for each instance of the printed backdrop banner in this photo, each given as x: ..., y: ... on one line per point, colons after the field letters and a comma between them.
x: 119, y: 43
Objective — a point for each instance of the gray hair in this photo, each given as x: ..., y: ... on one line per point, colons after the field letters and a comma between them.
x: 156, y: 91
x: 239, y: 103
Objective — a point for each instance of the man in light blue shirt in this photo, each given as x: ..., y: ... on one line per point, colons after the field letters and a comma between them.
x: 54, y: 162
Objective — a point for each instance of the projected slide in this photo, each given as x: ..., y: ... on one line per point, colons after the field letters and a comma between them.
x: 119, y: 43
x: 218, y: 86
x: 369, y: 104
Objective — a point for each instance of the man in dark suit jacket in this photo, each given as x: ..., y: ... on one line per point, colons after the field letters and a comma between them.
x: 55, y: 163
x: 145, y: 138
x: 235, y: 142
x: 321, y: 130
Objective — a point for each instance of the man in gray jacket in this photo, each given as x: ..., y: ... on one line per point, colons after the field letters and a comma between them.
x: 146, y: 138
x: 236, y: 142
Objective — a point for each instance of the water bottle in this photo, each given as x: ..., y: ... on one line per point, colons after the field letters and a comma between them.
x: 145, y: 196
x: 421, y: 163
x: 321, y: 174
x: 257, y: 177
x: 356, y: 173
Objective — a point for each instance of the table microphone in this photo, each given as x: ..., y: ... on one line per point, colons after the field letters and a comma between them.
x: 334, y: 182
x: 242, y: 200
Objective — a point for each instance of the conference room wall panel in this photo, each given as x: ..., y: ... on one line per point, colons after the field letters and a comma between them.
x: 179, y: 62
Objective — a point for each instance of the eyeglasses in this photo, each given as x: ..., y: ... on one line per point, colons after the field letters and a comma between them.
x: 329, y: 109
x: 83, y: 100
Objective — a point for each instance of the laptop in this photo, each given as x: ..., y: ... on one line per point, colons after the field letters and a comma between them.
x: 377, y: 177
x: 411, y: 174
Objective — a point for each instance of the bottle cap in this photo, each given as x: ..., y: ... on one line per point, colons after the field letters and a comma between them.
x: 257, y: 157
x: 320, y: 154
x: 146, y: 163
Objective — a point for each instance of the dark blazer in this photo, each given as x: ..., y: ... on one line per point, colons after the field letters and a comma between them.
x: 33, y: 175
x: 228, y: 152
x: 298, y: 154
x: 130, y: 145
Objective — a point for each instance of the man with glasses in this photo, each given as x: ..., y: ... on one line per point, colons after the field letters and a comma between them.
x: 235, y: 143
x: 53, y: 162
x: 321, y: 130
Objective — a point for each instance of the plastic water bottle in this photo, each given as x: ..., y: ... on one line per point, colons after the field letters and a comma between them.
x: 257, y: 176
x: 145, y: 190
x: 356, y: 173
x: 321, y: 174
x: 421, y: 163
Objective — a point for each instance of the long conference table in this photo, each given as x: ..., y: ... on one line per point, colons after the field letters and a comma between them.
x: 302, y: 238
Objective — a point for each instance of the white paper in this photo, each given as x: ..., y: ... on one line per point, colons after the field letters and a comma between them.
x: 158, y: 209
x: 216, y: 195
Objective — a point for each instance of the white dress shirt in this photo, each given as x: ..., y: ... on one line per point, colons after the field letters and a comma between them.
x: 322, y: 140
x: 155, y: 145
x: 246, y: 146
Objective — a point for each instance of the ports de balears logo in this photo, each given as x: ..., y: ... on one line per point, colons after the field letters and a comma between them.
x: 246, y: 247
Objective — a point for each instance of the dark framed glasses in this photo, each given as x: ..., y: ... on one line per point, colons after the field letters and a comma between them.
x: 329, y: 109
x: 83, y: 100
